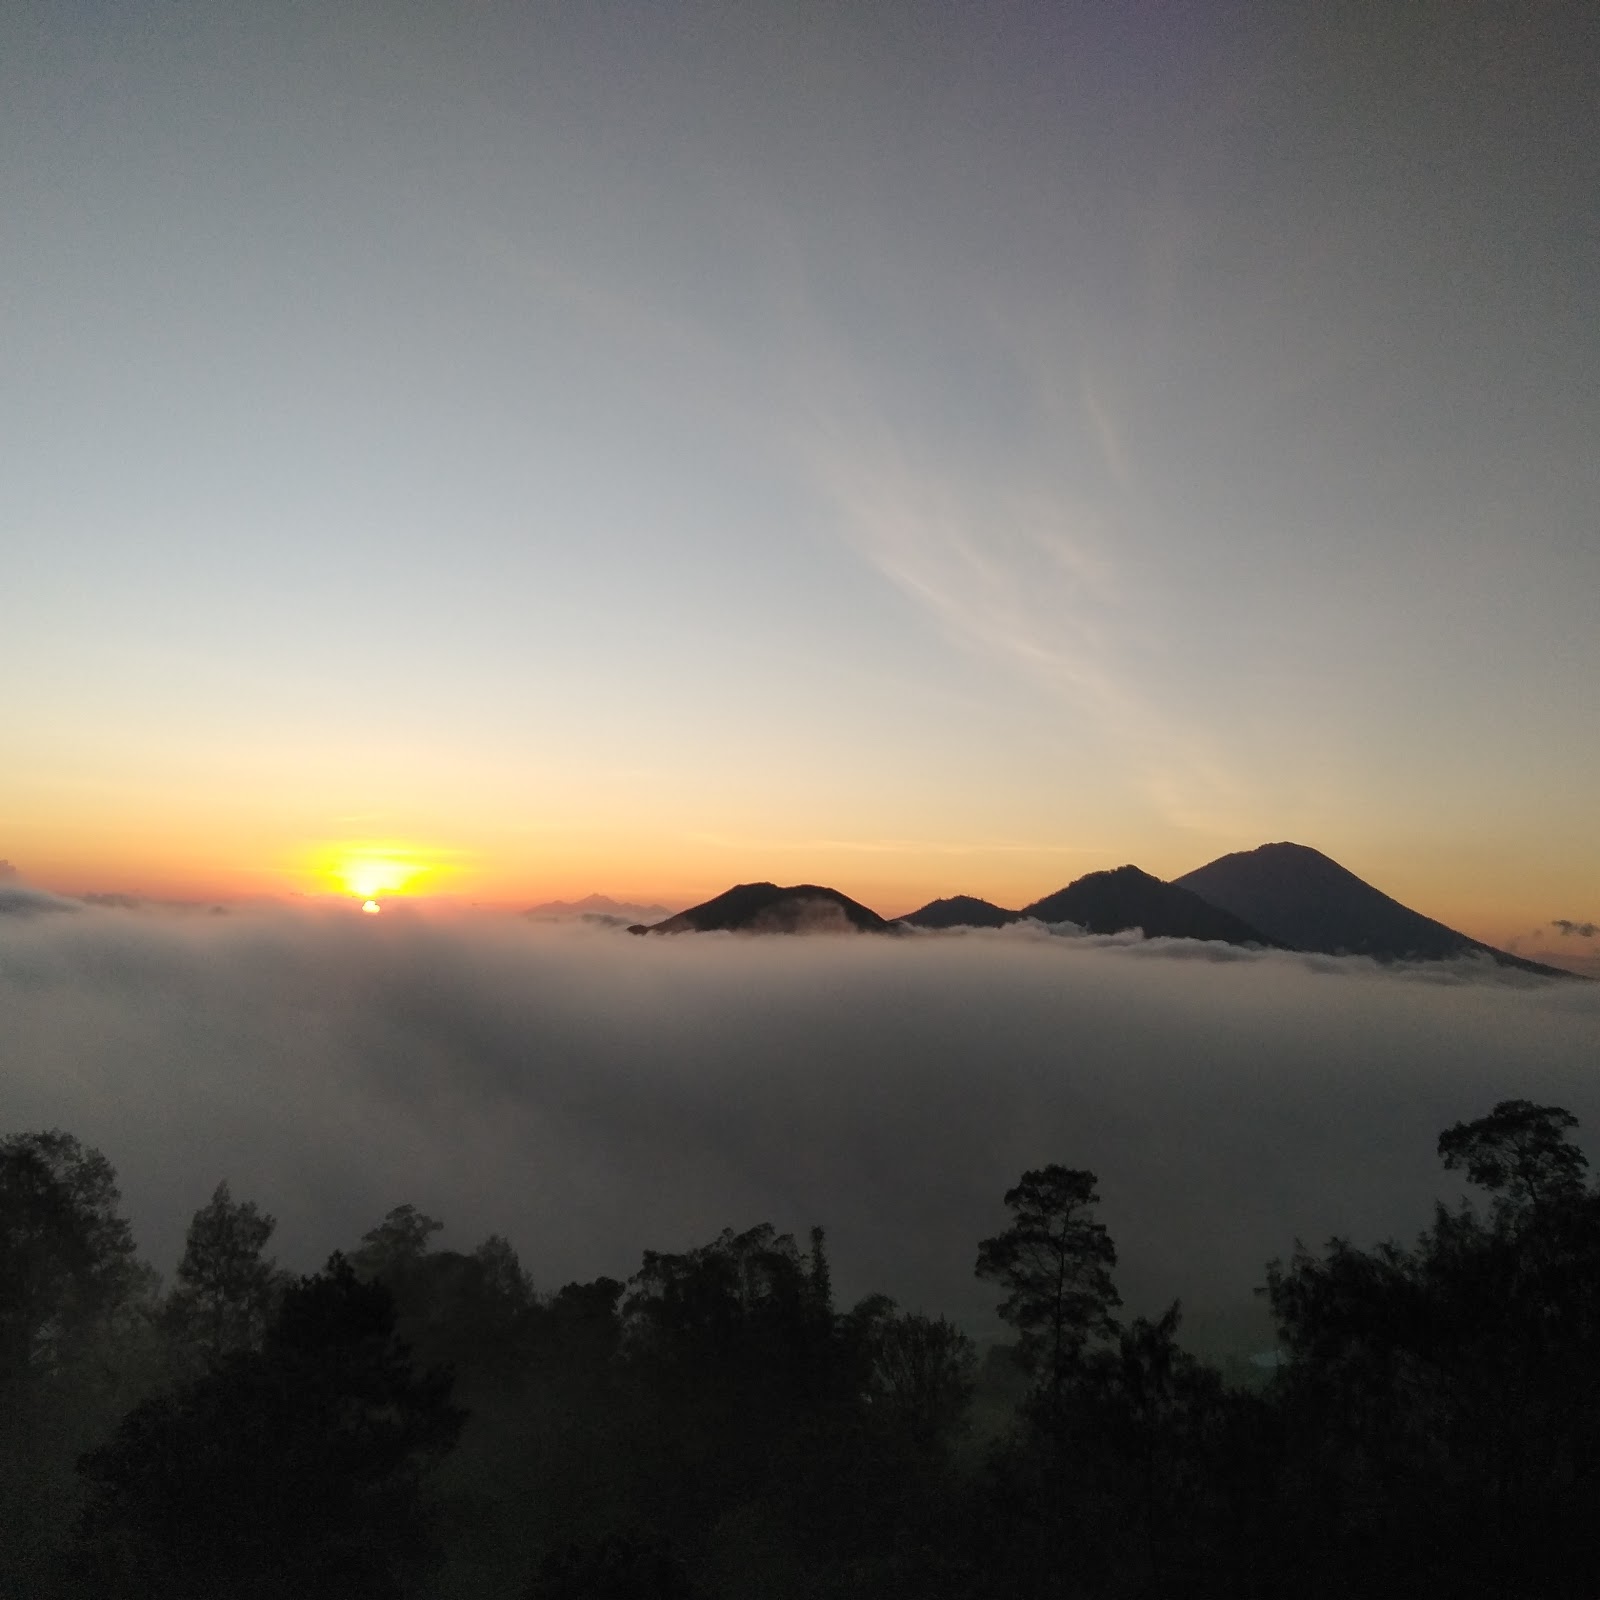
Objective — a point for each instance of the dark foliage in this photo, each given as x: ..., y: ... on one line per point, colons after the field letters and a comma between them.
x: 1519, y: 1150
x: 1443, y: 1403
x: 289, y: 1471
x: 717, y: 1428
x: 66, y: 1257
x: 227, y: 1288
x: 76, y: 1339
x: 1055, y: 1263
x: 616, y: 1568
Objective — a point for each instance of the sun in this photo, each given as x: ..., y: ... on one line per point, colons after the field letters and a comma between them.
x: 373, y: 870
x: 367, y: 877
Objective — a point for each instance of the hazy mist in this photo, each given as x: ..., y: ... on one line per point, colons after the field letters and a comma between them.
x: 591, y: 1095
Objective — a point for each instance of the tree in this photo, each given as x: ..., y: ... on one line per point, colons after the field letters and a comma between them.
x: 396, y: 1245
x: 475, y: 1313
x: 226, y: 1288
x: 583, y: 1326
x: 1520, y: 1151
x: 66, y: 1257
x: 738, y: 1368
x: 743, y: 1296
x: 73, y: 1337
x: 921, y: 1370
x: 820, y: 1275
x: 502, y: 1271
x: 1154, y: 1414
x: 1055, y: 1263
x: 1445, y: 1399
x: 292, y: 1470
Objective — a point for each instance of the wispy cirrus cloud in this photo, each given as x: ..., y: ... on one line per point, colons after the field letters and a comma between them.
x: 1021, y: 559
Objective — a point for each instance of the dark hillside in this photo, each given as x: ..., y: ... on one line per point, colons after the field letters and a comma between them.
x: 770, y: 908
x: 1109, y: 902
x: 961, y: 911
x: 1299, y: 897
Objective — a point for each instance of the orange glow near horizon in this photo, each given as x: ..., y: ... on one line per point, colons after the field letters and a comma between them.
x: 1507, y: 898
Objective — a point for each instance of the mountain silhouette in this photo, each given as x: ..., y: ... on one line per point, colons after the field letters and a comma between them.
x: 960, y: 911
x: 594, y: 907
x: 1303, y: 899
x: 769, y: 908
x: 1109, y: 902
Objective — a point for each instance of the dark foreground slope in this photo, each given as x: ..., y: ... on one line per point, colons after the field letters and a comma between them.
x: 1110, y: 902
x: 961, y: 911
x: 1299, y: 897
x: 771, y: 908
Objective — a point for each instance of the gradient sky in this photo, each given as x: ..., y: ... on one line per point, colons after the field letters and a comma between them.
x: 920, y: 448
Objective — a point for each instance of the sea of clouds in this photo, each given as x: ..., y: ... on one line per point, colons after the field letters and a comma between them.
x: 591, y: 1095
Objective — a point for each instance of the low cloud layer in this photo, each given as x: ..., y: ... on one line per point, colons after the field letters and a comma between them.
x: 18, y: 899
x: 1582, y: 930
x: 592, y: 1095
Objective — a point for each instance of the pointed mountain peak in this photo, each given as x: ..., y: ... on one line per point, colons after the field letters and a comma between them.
x: 1128, y: 897
x: 1306, y: 900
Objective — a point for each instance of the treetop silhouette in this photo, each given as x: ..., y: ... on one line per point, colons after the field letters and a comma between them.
x: 1055, y: 1263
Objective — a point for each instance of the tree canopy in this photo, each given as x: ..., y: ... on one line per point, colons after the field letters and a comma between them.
x: 67, y: 1259
x: 226, y: 1285
x: 1520, y: 1150
x: 717, y: 1427
x: 288, y: 1471
x: 1055, y: 1263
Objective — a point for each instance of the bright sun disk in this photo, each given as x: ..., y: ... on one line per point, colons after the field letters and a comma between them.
x: 373, y: 870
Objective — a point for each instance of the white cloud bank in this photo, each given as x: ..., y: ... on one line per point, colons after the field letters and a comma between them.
x: 591, y: 1095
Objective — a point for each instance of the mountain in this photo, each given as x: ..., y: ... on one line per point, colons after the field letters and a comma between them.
x: 960, y: 911
x: 1303, y: 899
x: 1109, y: 902
x: 767, y: 908
x: 600, y: 906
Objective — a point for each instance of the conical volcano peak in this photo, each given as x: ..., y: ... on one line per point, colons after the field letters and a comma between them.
x: 1128, y: 897
x: 771, y: 908
x: 1304, y: 899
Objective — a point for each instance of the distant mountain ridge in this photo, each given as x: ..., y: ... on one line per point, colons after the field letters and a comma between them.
x: 595, y: 905
x: 771, y: 908
x: 960, y: 911
x: 1126, y: 897
x: 1307, y: 901
x: 1278, y: 896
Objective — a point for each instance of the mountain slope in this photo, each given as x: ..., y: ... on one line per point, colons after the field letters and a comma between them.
x: 1299, y: 896
x: 769, y: 908
x: 960, y: 911
x: 1109, y: 902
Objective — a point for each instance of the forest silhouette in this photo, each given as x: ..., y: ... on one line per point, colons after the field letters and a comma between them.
x: 417, y: 1421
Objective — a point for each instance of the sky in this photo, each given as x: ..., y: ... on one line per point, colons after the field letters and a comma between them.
x: 916, y: 448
